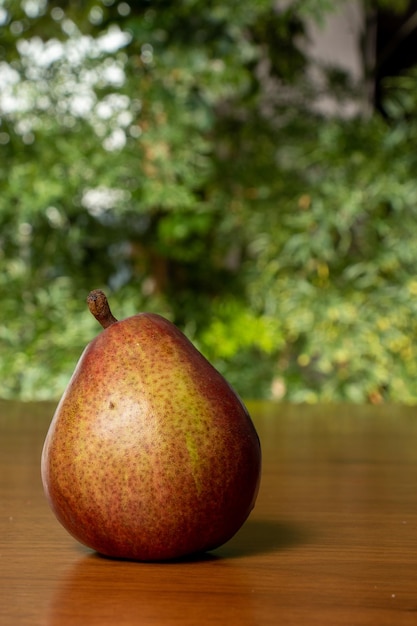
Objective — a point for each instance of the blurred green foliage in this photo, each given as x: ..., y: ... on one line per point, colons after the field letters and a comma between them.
x: 168, y: 152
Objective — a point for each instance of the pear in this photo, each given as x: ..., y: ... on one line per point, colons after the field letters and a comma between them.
x: 150, y: 454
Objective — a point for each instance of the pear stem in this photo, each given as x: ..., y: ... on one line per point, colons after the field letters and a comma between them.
x: 99, y: 307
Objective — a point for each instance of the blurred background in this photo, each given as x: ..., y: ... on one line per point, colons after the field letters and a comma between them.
x: 245, y: 168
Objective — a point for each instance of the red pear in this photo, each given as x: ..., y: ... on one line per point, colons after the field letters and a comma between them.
x: 150, y: 455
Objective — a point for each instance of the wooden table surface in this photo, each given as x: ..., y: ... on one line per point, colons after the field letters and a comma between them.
x: 332, y: 540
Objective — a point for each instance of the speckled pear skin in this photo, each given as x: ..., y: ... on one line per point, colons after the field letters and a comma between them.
x: 150, y: 454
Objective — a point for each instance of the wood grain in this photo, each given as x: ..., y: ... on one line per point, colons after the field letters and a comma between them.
x: 332, y: 540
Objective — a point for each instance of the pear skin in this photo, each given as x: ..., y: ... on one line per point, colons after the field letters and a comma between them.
x: 150, y: 454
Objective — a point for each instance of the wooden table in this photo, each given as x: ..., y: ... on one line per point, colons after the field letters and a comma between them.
x: 332, y: 540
